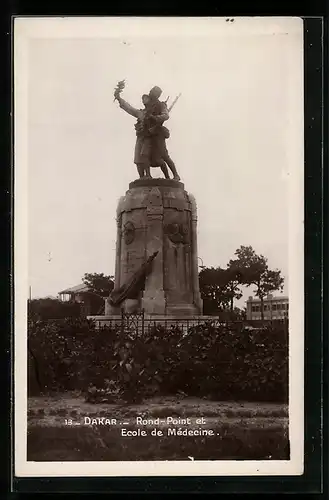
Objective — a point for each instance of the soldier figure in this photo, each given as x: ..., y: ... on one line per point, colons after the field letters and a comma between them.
x: 160, y: 134
x: 150, y: 148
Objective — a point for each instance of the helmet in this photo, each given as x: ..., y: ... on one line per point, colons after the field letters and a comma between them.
x: 155, y: 92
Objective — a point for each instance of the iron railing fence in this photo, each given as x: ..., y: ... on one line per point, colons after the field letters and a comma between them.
x: 139, y: 323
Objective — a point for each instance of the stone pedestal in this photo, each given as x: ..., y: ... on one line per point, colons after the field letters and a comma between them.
x: 159, y: 215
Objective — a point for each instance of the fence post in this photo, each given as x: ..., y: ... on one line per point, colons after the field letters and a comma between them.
x: 122, y: 320
x: 143, y: 322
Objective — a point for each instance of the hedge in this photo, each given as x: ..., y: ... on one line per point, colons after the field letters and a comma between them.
x: 228, y: 362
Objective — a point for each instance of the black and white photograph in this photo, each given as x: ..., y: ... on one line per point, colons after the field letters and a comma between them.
x: 158, y: 246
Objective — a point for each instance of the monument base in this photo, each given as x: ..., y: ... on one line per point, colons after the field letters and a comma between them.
x: 153, y: 306
x: 154, y: 303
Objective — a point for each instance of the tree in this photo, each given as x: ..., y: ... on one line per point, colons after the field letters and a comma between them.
x: 99, y: 284
x: 240, y: 314
x: 219, y: 287
x: 233, y: 284
x: 99, y: 287
x: 252, y: 269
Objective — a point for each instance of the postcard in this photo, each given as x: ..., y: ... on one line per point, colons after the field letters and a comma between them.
x: 158, y: 234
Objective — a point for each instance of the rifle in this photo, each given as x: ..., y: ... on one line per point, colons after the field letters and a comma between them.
x: 173, y: 104
x: 165, y: 130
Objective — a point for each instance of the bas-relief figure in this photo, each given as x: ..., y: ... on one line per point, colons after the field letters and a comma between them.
x: 150, y: 148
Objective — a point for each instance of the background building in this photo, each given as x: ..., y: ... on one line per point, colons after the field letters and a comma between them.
x: 89, y: 302
x: 274, y: 308
x: 74, y: 294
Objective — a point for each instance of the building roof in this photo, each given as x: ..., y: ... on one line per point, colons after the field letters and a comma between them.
x: 41, y: 297
x: 76, y: 289
x: 268, y: 299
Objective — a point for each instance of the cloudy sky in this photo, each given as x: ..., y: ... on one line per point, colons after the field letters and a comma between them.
x: 231, y: 134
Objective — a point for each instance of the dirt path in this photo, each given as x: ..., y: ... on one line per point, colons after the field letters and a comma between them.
x: 55, y: 411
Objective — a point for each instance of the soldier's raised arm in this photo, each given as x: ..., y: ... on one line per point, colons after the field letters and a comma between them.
x: 127, y: 107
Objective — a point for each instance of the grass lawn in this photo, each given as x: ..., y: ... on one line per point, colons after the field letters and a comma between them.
x: 59, y: 429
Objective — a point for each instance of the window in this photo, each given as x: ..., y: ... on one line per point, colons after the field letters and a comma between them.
x: 265, y: 307
x: 274, y: 307
x: 255, y: 308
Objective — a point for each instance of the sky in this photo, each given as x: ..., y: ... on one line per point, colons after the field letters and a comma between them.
x: 231, y: 135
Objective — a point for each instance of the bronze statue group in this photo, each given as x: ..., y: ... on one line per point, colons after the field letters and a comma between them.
x: 151, y: 134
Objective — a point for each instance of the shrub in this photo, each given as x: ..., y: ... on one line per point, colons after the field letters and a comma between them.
x: 49, y: 309
x: 225, y: 362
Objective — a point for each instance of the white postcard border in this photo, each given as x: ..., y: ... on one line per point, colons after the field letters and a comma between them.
x: 24, y: 30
